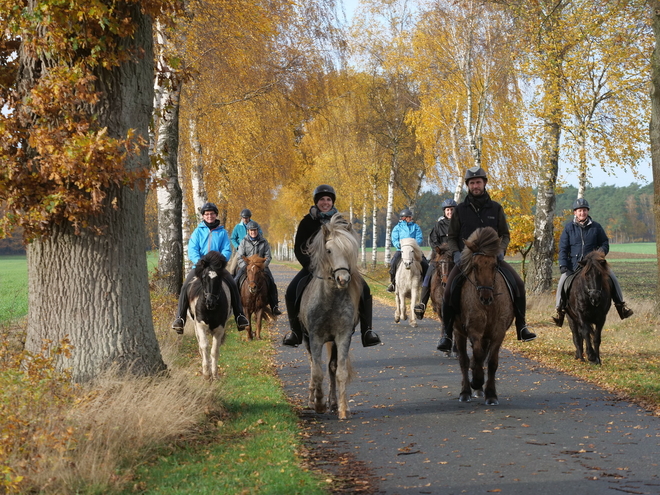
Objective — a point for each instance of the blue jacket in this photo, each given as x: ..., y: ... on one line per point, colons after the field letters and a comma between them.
x: 239, y: 232
x: 577, y: 240
x: 404, y: 230
x: 204, y: 240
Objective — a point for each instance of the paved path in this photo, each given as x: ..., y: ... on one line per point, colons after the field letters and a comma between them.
x: 551, y: 434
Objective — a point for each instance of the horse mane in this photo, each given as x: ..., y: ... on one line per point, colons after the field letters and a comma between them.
x: 417, y: 251
x: 214, y: 260
x: 483, y: 240
x: 440, y: 251
x: 340, y: 230
x: 595, y: 260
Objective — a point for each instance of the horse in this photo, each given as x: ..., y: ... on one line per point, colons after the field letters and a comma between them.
x: 254, y: 293
x: 210, y: 307
x: 408, y: 280
x: 487, y: 312
x: 444, y: 264
x: 329, y: 311
x: 589, y: 300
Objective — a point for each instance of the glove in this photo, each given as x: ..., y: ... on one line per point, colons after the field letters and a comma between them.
x: 564, y: 269
x: 457, y: 257
x: 500, y: 257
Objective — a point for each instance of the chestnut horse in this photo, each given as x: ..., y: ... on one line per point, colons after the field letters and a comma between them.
x: 444, y: 264
x: 589, y: 301
x: 254, y: 293
x: 486, y: 314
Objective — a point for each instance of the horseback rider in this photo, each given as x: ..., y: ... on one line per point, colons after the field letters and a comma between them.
x: 405, y: 229
x: 476, y: 211
x: 240, y: 229
x: 581, y: 236
x: 255, y: 243
x: 321, y: 212
x: 439, y: 235
x: 209, y: 236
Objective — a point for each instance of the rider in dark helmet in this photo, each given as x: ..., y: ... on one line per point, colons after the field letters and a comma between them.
x: 240, y: 230
x: 478, y: 210
x: 209, y: 236
x: 581, y: 236
x: 437, y: 237
x: 255, y: 243
x: 405, y: 229
x: 321, y: 212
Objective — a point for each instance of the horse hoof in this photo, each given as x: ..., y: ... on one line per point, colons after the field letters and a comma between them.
x: 413, y: 324
x: 492, y: 402
x: 464, y: 398
x: 396, y: 320
x: 478, y: 394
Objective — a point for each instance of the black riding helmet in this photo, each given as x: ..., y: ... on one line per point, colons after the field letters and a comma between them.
x: 449, y: 203
x: 580, y: 203
x: 252, y: 225
x: 208, y: 207
x: 405, y: 213
x: 324, y: 190
x: 246, y: 213
x: 475, y: 173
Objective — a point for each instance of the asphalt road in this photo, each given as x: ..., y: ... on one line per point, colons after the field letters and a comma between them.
x: 551, y: 434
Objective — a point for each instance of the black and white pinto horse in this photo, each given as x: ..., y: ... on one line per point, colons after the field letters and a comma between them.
x: 210, y: 307
x: 329, y: 311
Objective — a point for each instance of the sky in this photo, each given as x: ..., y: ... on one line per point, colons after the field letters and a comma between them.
x: 597, y: 177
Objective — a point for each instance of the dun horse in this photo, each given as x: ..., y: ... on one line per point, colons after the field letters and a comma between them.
x: 329, y: 311
x: 210, y: 307
x: 589, y: 301
x: 486, y: 313
x: 254, y: 293
x: 408, y: 280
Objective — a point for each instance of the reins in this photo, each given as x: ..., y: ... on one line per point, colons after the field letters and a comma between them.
x: 479, y: 288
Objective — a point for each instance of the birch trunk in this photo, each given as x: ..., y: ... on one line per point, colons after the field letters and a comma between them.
x: 654, y: 129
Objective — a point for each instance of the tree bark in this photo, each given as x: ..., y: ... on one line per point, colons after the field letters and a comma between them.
x: 654, y: 129
x: 94, y: 289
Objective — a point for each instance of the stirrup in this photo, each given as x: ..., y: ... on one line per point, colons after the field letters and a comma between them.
x: 291, y: 340
x: 390, y: 288
x: 525, y: 335
x: 370, y: 338
x: 559, y: 318
x: 624, y: 311
x: 445, y: 344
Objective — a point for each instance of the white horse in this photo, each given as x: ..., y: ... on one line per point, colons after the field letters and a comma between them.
x: 329, y: 311
x: 408, y: 281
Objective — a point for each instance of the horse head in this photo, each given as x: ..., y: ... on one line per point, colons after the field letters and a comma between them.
x: 208, y: 271
x: 410, y: 252
x: 481, y: 262
x: 444, y: 262
x: 594, y: 269
x: 254, y: 271
x: 334, y: 251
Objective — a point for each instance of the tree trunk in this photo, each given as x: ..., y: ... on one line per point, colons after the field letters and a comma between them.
x: 170, y: 237
x: 94, y: 289
x: 654, y: 129
x: 374, y: 225
x: 390, y: 204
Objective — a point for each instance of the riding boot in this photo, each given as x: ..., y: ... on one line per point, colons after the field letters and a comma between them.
x: 295, y: 336
x: 369, y: 337
x: 421, y: 307
x: 558, y: 318
x: 182, y: 310
x: 623, y: 310
x: 522, y: 331
x: 446, y: 342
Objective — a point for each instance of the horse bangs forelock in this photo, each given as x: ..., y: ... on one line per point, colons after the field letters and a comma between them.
x: 339, y: 230
x: 487, y: 241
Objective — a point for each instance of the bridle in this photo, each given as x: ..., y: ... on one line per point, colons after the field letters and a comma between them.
x: 481, y: 288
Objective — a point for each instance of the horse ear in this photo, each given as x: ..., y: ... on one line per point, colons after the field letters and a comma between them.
x: 582, y: 262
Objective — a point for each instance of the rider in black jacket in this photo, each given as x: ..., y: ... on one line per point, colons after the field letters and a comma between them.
x: 320, y: 213
x: 581, y: 236
x: 478, y: 210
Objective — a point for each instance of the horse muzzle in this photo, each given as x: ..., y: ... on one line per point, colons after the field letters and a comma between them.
x: 342, y: 277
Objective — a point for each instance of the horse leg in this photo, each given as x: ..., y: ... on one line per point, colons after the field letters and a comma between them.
x: 493, y: 363
x: 591, y: 344
x: 413, y: 302
x: 477, y: 366
x: 331, y: 347
x: 203, y: 343
x: 215, y: 348
x: 597, y: 334
x: 316, y: 376
x: 343, y: 374
x: 577, y: 338
x: 258, y: 317
x: 248, y: 314
x: 397, y: 312
x: 464, y: 362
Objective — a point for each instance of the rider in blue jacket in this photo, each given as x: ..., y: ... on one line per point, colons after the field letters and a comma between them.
x: 209, y: 236
x: 581, y: 236
x: 405, y: 229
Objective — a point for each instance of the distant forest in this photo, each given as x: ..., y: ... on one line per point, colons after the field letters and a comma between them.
x: 626, y: 213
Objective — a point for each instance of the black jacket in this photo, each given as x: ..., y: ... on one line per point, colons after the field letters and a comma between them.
x: 577, y: 240
x: 439, y: 233
x: 467, y: 218
x: 307, y: 229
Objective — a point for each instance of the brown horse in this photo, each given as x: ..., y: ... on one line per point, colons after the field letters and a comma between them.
x: 589, y: 301
x: 254, y: 293
x: 444, y: 264
x: 485, y: 316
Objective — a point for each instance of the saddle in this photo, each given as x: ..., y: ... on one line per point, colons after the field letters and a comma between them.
x: 457, y: 284
x: 566, y: 288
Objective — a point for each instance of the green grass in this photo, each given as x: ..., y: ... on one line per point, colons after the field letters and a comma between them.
x: 634, y: 248
x: 254, y: 448
x: 13, y: 287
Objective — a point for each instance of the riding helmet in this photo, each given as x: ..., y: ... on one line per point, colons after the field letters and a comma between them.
x: 405, y: 213
x: 246, y: 213
x: 324, y: 190
x: 252, y: 225
x: 580, y: 203
x: 475, y: 173
x: 449, y: 203
x: 208, y: 207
